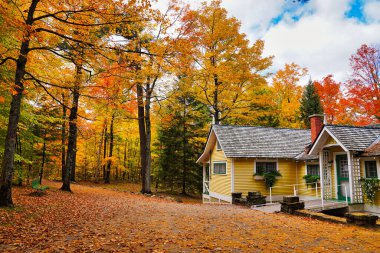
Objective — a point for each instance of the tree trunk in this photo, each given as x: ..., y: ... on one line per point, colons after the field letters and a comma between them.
x: 63, y: 136
x: 105, y: 149
x: 124, y: 160
x: 108, y: 171
x: 19, y: 163
x: 143, y: 139
x: 147, y: 179
x: 184, y: 144
x: 43, y: 157
x: 73, y: 131
x: 97, y: 170
x: 14, y: 115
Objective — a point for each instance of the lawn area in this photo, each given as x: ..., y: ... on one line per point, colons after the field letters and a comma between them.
x: 105, y: 220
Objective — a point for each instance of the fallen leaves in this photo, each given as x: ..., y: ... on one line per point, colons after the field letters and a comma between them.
x: 102, y: 220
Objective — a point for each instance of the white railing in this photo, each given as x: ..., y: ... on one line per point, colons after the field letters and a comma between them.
x: 206, y: 187
x: 296, y: 189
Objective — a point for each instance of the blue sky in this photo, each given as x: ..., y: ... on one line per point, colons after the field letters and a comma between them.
x: 318, y: 34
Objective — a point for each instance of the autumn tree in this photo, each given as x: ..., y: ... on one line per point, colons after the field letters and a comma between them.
x: 310, y: 103
x: 155, y: 44
x: 226, y: 67
x: 363, y: 87
x: 287, y: 94
x: 40, y: 26
x: 332, y: 99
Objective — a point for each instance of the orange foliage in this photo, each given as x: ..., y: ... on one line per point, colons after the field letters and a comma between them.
x: 332, y: 100
x: 100, y: 220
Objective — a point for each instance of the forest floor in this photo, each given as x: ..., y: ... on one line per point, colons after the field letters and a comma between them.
x: 94, y: 219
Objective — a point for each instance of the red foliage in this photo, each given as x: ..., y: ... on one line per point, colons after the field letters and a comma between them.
x: 332, y: 100
x: 363, y: 87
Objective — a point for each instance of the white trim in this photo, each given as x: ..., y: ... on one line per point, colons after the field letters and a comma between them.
x: 221, y: 197
x: 222, y: 149
x: 212, y: 169
x: 204, y: 177
x: 261, y: 160
x: 232, y: 175
x: 350, y: 176
x: 336, y: 171
x: 336, y: 139
x: 321, y: 177
x: 217, y: 142
x: 320, y: 136
x: 362, y: 165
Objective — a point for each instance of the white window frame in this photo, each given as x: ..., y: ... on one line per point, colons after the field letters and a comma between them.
x: 377, y: 160
x: 312, y: 163
x: 263, y: 161
x: 213, y: 164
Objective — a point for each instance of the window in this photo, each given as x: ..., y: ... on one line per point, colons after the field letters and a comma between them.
x: 218, y: 147
x: 312, y: 169
x: 370, y: 169
x: 220, y: 168
x: 265, y: 167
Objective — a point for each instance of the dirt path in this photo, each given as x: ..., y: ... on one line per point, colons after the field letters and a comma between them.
x: 100, y: 220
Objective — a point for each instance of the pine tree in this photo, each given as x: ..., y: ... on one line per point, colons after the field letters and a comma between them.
x: 180, y: 140
x: 310, y: 103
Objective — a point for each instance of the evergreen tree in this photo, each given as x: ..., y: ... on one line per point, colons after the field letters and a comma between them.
x: 310, y: 103
x: 181, y: 137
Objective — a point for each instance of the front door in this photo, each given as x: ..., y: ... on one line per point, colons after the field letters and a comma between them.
x: 342, y: 177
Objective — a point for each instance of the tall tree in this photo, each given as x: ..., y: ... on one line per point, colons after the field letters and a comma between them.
x: 40, y: 26
x: 225, y: 66
x: 182, y: 129
x: 287, y: 94
x: 310, y: 103
x: 363, y: 87
x: 332, y: 99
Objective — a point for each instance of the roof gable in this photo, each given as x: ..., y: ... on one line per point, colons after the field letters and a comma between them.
x: 350, y: 138
x: 355, y: 138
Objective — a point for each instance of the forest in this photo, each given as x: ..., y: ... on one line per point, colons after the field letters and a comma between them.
x: 119, y: 91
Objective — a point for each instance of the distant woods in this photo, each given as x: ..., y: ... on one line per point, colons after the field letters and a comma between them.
x: 109, y: 91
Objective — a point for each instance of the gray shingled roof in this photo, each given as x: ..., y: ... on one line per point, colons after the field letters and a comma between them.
x: 250, y: 141
x: 355, y: 138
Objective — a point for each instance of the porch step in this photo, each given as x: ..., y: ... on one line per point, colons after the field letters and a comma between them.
x: 329, y: 206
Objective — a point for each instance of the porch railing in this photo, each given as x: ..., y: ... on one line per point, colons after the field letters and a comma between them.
x: 206, y: 187
x: 314, y: 188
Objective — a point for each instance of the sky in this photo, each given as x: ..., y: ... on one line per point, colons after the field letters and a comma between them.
x: 318, y: 34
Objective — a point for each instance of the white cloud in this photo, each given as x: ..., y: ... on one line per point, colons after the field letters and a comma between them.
x: 322, y: 40
x: 372, y: 11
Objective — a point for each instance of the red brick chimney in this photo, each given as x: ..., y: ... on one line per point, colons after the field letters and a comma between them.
x: 316, y: 125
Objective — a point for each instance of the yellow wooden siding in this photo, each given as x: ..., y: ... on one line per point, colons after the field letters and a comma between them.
x: 220, y: 184
x: 303, y: 188
x: 330, y: 140
x: 245, y: 181
x: 288, y: 170
x: 362, y: 171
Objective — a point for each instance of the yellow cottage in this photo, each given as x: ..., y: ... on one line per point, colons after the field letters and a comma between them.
x: 235, y: 157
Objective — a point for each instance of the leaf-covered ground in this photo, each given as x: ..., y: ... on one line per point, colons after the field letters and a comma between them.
x: 103, y: 220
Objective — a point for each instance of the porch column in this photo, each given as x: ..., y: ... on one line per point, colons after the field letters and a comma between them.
x: 321, y: 177
x: 232, y: 175
x: 204, y: 177
x: 350, y: 174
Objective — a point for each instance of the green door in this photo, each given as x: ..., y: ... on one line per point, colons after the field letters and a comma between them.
x: 342, y: 177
